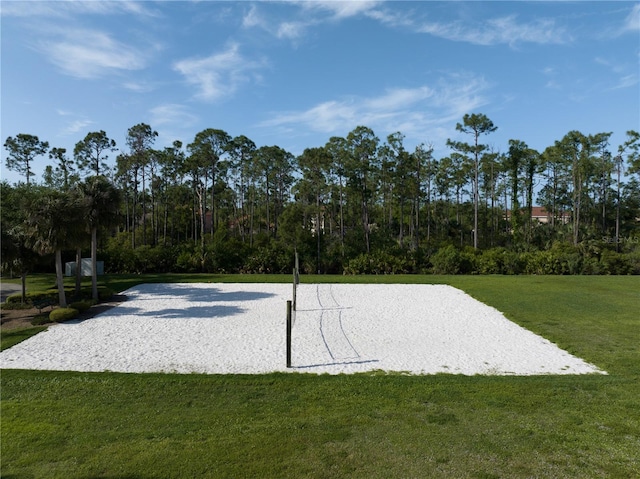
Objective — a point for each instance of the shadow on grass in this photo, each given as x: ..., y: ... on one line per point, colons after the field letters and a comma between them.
x: 336, y: 363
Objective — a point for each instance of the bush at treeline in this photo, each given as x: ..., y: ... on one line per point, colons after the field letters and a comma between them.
x: 274, y: 257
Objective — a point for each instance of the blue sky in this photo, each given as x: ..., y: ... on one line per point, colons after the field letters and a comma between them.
x: 295, y: 73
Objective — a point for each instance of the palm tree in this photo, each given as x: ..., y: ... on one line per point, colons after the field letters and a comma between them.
x: 52, y: 225
x: 101, y: 203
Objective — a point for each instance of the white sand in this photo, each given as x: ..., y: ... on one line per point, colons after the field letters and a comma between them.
x: 339, y: 328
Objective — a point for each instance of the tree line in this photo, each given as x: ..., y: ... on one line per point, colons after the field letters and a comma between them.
x: 354, y: 205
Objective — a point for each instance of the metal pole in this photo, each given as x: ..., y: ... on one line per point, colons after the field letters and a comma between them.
x: 289, y: 334
x: 295, y: 289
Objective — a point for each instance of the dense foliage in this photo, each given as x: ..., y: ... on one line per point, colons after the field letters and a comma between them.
x: 355, y: 205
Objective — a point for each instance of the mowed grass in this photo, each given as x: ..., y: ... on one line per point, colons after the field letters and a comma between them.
x: 80, y: 425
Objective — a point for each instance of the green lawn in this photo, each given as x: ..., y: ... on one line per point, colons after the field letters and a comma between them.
x: 79, y: 425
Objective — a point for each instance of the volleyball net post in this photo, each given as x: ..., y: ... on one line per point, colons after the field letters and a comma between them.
x: 296, y: 280
x: 289, y: 328
x: 291, y: 307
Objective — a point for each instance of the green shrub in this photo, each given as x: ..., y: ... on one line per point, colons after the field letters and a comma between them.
x: 377, y: 262
x: 633, y: 260
x: 104, y: 293
x: 615, y: 263
x: 40, y: 319
x: 189, y: 260
x: 274, y: 258
x: 82, y: 306
x: 492, y: 261
x: 447, y: 260
x: 468, y: 260
x: 567, y: 258
x: 32, y: 296
x: 500, y: 261
x: 63, y: 314
x: 15, y: 302
x: 592, y: 266
x: 223, y: 254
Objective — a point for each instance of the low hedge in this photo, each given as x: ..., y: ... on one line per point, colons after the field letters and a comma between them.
x: 16, y: 298
x: 63, y: 314
x: 41, y: 320
x: 82, y: 306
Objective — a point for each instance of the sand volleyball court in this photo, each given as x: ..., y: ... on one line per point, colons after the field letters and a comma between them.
x: 339, y: 328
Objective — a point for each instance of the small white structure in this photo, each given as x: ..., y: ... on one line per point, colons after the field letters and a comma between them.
x: 70, y: 268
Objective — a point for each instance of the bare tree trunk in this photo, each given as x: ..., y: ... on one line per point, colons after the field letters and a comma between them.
x: 341, y: 220
x: 23, y: 282
x: 618, y: 210
x: 94, y: 263
x: 62, y: 298
x: 78, y: 272
x: 202, y: 225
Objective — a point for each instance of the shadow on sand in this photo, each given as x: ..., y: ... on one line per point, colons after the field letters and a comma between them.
x: 208, y: 299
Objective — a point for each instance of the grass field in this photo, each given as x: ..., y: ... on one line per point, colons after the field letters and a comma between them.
x: 79, y: 425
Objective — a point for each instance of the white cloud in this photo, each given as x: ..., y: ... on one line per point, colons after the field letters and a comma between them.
x: 417, y: 112
x: 139, y: 86
x: 172, y: 114
x: 291, y: 30
x: 220, y: 74
x: 90, y: 54
x: 626, y: 81
x: 77, y: 126
x: 69, y: 8
x: 253, y: 18
x: 632, y: 22
x: 503, y: 30
x: 74, y: 122
x: 340, y: 9
x: 620, y: 71
x: 399, y: 98
x: 312, y: 13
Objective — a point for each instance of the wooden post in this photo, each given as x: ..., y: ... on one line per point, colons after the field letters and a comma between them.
x: 289, y: 327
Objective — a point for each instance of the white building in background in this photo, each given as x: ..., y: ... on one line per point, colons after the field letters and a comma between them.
x: 70, y: 268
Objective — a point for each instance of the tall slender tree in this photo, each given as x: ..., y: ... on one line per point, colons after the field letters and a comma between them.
x: 241, y: 150
x: 576, y: 149
x: 532, y: 167
x: 336, y: 147
x: 62, y: 174
x: 315, y: 166
x: 604, y: 165
x: 425, y: 168
x: 476, y: 124
x: 101, y: 206
x: 362, y: 163
x: 171, y: 160
x: 23, y: 150
x: 631, y: 147
x: 92, y: 152
x: 16, y: 255
x: 140, y: 140
x: 208, y: 146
